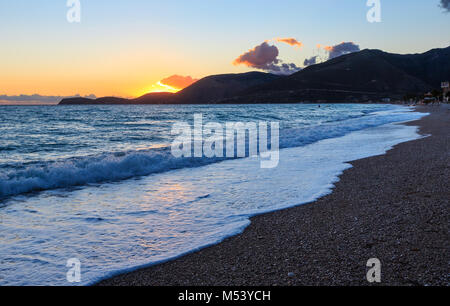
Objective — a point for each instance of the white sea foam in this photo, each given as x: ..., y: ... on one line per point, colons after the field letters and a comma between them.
x: 109, y: 167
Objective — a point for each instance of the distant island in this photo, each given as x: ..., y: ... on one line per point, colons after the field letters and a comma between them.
x: 365, y: 76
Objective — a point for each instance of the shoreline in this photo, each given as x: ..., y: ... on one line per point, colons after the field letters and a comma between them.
x: 328, y: 242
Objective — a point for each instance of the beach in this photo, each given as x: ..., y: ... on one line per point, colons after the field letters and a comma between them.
x: 393, y: 207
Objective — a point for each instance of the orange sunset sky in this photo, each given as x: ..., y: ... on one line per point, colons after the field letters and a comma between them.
x: 130, y: 48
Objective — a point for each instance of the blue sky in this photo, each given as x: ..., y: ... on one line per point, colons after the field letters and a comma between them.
x: 121, y: 47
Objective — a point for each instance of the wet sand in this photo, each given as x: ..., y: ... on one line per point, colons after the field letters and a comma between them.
x: 393, y: 207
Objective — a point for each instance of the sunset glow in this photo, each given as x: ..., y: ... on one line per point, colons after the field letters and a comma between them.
x: 45, y: 54
x: 161, y: 87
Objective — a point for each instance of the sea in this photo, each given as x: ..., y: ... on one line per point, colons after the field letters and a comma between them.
x: 99, y: 186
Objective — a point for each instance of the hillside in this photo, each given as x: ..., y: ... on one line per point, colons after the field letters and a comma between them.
x: 216, y: 88
x: 356, y: 77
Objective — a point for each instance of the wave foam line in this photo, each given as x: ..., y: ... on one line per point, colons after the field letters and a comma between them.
x: 115, y: 167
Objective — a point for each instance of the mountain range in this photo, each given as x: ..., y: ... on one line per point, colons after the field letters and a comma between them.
x: 368, y: 75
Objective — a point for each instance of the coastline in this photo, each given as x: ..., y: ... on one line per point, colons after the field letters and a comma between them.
x: 398, y: 213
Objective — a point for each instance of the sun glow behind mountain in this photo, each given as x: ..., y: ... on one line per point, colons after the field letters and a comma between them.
x: 172, y: 84
x: 161, y: 87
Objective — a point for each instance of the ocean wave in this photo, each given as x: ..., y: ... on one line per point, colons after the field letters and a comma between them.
x: 110, y: 167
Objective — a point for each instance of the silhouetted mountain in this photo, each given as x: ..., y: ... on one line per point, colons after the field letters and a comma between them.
x: 151, y: 98
x: 155, y: 98
x: 432, y: 67
x: 210, y: 89
x: 357, y: 77
x: 368, y: 75
x: 216, y: 88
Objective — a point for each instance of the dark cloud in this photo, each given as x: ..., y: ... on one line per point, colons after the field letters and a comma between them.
x: 178, y: 81
x: 445, y: 4
x: 329, y: 52
x: 341, y: 49
x: 285, y: 69
x: 260, y: 57
x: 265, y: 57
x: 36, y: 99
x: 310, y: 61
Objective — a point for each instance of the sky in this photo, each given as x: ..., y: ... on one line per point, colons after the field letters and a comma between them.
x: 127, y: 47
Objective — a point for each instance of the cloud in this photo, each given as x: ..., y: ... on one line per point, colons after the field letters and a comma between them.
x: 445, y: 4
x: 290, y: 41
x: 265, y: 57
x: 310, y: 61
x: 260, y: 57
x: 37, y: 99
x: 285, y: 69
x: 178, y: 81
x: 325, y: 53
x: 341, y: 49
